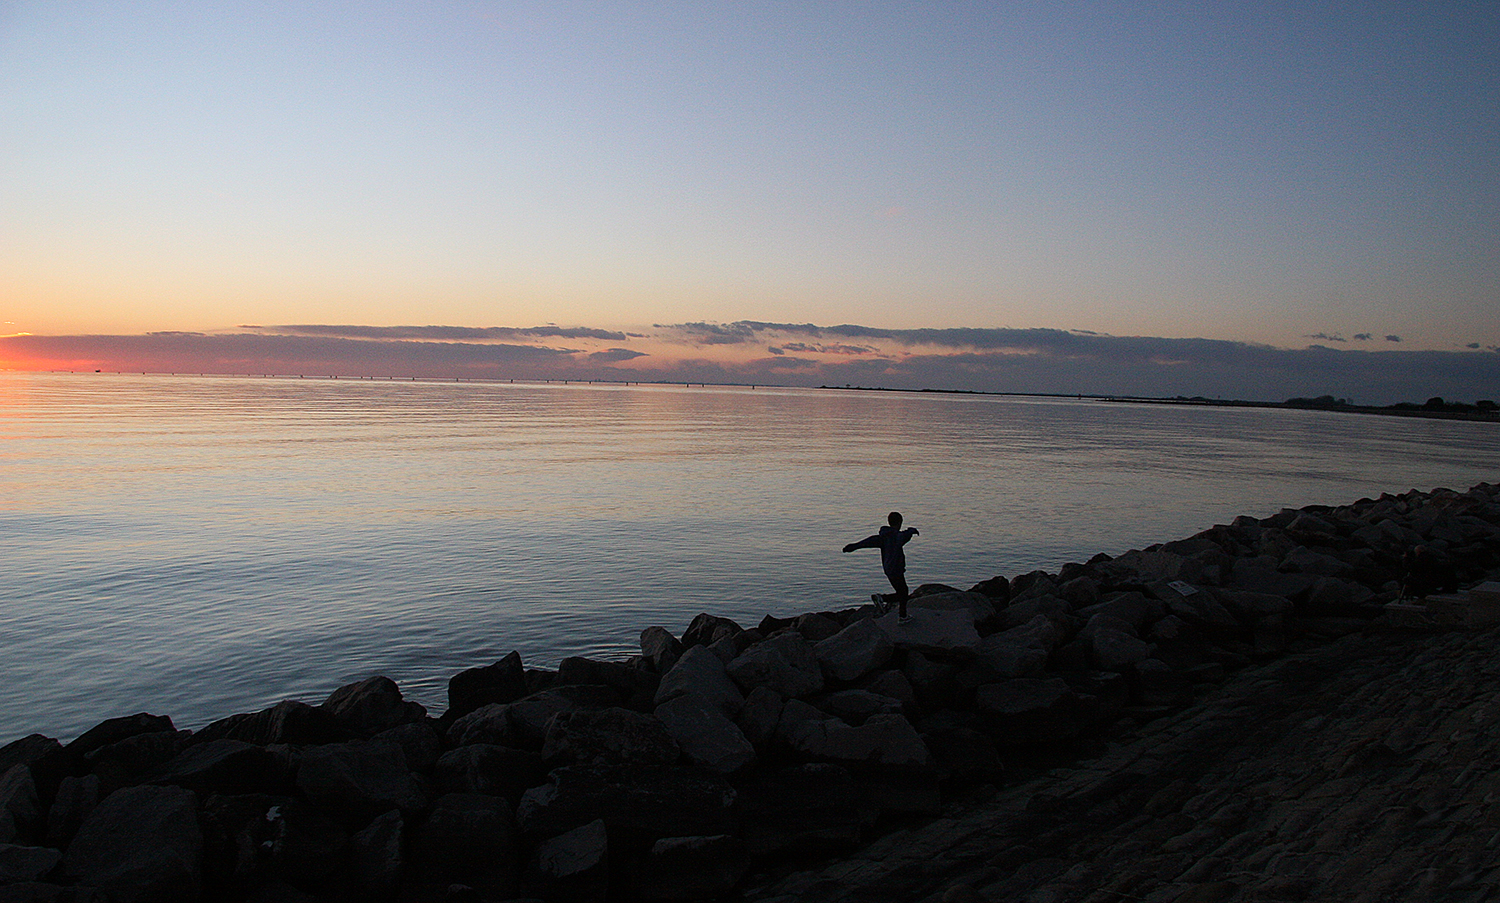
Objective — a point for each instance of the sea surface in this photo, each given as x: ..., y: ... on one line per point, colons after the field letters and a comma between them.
x: 202, y: 546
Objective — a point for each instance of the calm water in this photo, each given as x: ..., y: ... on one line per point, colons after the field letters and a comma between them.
x: 203, y: 546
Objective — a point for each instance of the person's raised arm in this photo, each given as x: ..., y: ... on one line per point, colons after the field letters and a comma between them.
x: 869, y: 542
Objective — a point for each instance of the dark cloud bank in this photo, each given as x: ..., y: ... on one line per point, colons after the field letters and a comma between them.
x: 1043, y: 361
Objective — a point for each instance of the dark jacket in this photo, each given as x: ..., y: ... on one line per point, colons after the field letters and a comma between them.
x: 889, y: 541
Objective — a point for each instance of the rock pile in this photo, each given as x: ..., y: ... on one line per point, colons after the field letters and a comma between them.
x: 669, y: 776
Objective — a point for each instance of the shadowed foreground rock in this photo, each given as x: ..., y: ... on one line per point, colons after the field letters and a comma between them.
x: 1247, y: 714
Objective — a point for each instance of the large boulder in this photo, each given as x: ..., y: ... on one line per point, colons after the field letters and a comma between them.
x: 224, y: 766
x: 612, y: 736
x: 372, y: 705
x: 488, y: 768
x: 638, y: 805
x: 693, y: 868
x: 980, y: 607
x: 882, y: 740
x: 573, y: 866
x: 502, y: 682
x: 376, y: 858
x: 289, y: 721
x: 530, y: 717
x: 660, y: 649
x: 1033, y: 710
x: 140, y: 844
x: 362, y: 778
x: 933, y: 631
x: 706, y: 735
x: 786, y: 663
x: 21, y: 864
x: 114, y: 730
x: 855, y: 651
x: 257, y: 840
x: 77, y: 795
x: 856, y: 706
x: 636, y: 686
x: 700, y: 672
x: 803, y: 809
x: 20, y: 809
x: 467, y: 839
x: 760, y: 715
x: 707, y: 629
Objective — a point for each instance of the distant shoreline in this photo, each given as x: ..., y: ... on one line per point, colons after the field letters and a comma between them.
x: 1441, y: 411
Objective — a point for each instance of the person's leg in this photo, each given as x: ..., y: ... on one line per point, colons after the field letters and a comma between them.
x: 898, y: 582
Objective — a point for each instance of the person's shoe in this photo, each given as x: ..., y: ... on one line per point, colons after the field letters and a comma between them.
x: 904, y: 618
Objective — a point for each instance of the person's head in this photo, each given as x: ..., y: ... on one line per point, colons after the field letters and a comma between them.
x: 895, y: 518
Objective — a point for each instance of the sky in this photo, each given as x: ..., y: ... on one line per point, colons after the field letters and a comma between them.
x: 1251, y: 200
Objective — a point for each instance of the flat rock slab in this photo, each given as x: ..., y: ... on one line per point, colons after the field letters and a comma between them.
x: 1364, y: 770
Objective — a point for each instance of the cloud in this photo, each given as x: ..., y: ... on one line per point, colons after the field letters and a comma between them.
x: 714, y: 333
x: 448, y: 333
x: 1393, y: 338
x: 1362, y: 336
x: 1028, y: 361
x: 1326, y: 337
x: 616, y: 355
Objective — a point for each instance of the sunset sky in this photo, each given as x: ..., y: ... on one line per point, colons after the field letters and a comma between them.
x: 1239, y: 199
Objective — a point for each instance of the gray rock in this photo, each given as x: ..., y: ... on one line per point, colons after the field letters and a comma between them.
x: 881, y: 740
x: 289, y: 721
x: 1033, y: 710
x: 1331, y: 595
x: 760, y: 715
x: 140, y: 844
x: 660, y: 649
x: 468, y: 839
x: 815, y: 626
x: 224, y: 766
x: 638, y: 805
x: 612, y: 736
x: 114, y: 730
x: 894, y: 685
x: 487, y: 768
x: 1116, y: 651
x: 76, y: 798
x: 854, y: 651
x: 1251, y: 608
x: 932, y: 631
x: 706, y: 735
x: 502, y: 682
x: 1052, y: 608
x: 707, y: 629
x: 376, y: 862
x: 980, y: 607
x: 786, y: 663
x: 693, y: 868
x: 487, y: 724
x: 802, y: 809
x: 1132, y: 607
x: 636, y: 686
x: 372, y: 705
x: 1258, y: 578
x: 362, y: 777
x: 20, y: 809
x: 530, y: 717
x: 1001, y: 657
x: 856, y: 706
x: 22, y: 863
x: 420, y: 742
x: 1080, y: 592
x: 1303, y: 560
x: 573, y: 866
x: 701, y: 673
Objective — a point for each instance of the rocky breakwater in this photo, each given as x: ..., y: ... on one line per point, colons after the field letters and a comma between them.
x: 711, y: 755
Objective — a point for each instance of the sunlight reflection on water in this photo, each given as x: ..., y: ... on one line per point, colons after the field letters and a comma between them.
x: 204, y: 546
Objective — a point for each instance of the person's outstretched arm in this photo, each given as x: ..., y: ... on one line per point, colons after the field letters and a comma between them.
x: 869, y: 542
